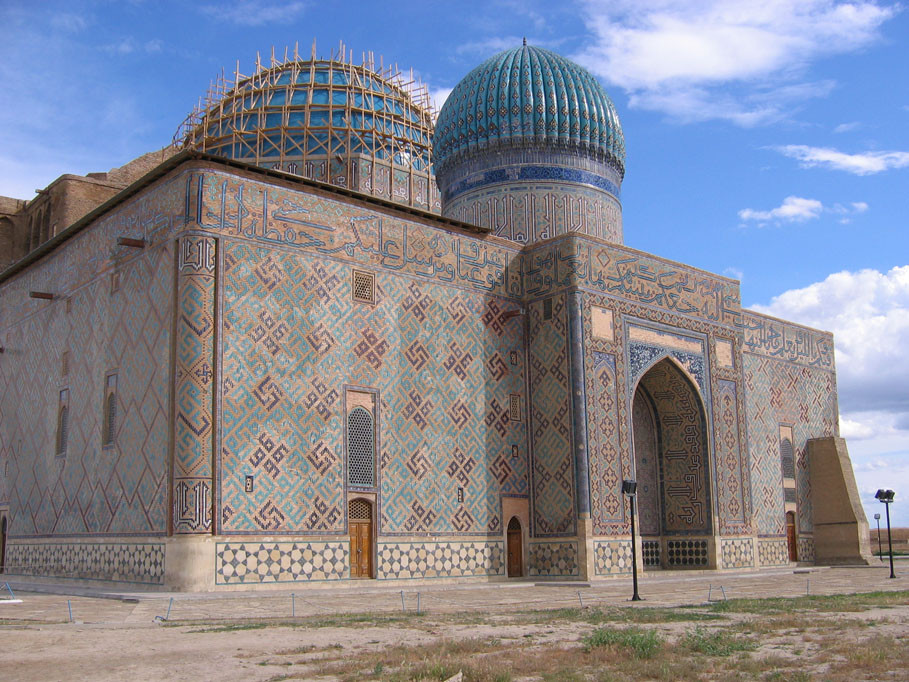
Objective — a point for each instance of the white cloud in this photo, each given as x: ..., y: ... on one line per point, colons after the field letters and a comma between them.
x: 798, y: 210
x: 847, y: 127
x: 684, y: 57
x: 489, y: 46
x: 866, y: 163
x: 792, y: 210
x: 254, y: 12
x: 438, y: 96
x: 868, y: 313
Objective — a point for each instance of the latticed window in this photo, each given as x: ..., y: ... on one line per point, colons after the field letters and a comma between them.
x: 359, y: 509
x: 361, y: 448
x: 787, y: 460
x: 514, y: 407
x: 364, y: 287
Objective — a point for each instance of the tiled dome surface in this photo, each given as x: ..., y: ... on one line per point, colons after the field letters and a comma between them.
x: 528, y: 94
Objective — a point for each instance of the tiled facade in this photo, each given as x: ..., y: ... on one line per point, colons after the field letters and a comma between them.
x: 500, y: 373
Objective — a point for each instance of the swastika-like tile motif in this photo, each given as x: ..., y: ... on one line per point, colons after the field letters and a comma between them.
x: 280, y: 562
x: 398, y: 560
x: 737, y: 552
x: 730, y: 466
x: 550, y: 396
x: 612, y: 557
x: 194, y: 389
x: 133, y: 562
x: 773, y: 552
x: 440, y: 360
x: 683, y: 449
x: 92, y: 489
x: 553, y: 559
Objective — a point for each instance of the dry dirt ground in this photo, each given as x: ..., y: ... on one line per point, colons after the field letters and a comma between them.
x: 509, y: 633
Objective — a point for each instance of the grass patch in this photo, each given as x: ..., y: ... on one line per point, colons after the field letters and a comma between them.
x: 716, y: 643
x: 642, y: 643
x: 232, y: 627
x: 816, y: 603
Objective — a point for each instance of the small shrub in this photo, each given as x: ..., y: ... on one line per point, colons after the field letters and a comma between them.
x: 715, y: 643
x: 642, y: 643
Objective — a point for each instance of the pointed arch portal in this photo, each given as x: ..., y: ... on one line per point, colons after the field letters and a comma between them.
x: 671, y: 446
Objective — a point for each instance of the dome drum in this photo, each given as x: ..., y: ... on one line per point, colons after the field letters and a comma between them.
x: 529, y: 145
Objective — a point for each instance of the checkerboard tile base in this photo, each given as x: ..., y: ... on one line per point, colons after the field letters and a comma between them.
x: 773, y: 552
x: 806, y: 549
x: 402, y: 560
x: 554, y: 559
x: 280, y: 562
x: 133, y: 562
x: 612, y: 557
x: 737, y: 552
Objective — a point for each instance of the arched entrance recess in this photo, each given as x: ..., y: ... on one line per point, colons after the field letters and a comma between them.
x: 359, y: 518
x: 515, y: 549
x: 671, y: 447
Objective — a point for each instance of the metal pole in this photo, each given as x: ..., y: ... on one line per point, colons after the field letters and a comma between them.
x: 890, y: 538
x: 880, y: 550
x: 634, y: 556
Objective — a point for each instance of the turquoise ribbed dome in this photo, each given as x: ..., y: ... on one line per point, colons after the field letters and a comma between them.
x: 528, y: 95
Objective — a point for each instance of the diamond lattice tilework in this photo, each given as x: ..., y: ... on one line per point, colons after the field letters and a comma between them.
x: 554, y: 559
x: 612, y: 557
x: 279, y: 562
x: 782, y: 392
x: 440, y: 359
x: 92, y: 489
x: 440, y: 559
x: 553, y: 468
x: 134, y: 562
x: 729, y: 464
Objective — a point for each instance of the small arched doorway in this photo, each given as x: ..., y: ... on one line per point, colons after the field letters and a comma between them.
x: 791, y: 537
x: 359, y: 518
x: 515, y: 549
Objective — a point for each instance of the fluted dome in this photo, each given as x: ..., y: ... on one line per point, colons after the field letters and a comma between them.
x: 529, y: 94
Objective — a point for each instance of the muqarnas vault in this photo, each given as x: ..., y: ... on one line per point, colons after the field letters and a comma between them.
x: 324, y: 338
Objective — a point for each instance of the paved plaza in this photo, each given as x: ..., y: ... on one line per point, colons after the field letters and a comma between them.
x: 52, y: 603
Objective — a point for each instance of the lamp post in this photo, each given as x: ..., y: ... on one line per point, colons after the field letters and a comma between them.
x: 886, y: 496
x: 880, y: 550
x: 629, y: 487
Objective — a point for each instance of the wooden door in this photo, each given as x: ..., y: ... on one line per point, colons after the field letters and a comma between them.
x: 791, y: 539
x: 360, y: 522
x: 515, y: 549
x: 361, y: 549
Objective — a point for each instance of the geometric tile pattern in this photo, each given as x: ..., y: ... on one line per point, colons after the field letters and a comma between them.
x: 553, y: 559
x: 398, y: 560
x: 684, y: 453
x: 728, y: 460
x: 608, y: 465
x: 440, y: 359
x: 773, y: 552
x: 647, y: 464
x: 737, y: 552
x: 782, y: 391
x: 280, y: 562
x: 194, y: 390
x: 612, y: 557
x: 89, y: 491
x: 134, y: 562
x: 550, y: 395
x: 687, y: 554
x: 806, y: 549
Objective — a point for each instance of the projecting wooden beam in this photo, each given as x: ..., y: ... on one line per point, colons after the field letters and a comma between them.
x: 129, y: 241
x: 41, y: 294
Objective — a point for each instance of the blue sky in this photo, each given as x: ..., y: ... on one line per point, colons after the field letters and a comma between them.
x: 766, y: 139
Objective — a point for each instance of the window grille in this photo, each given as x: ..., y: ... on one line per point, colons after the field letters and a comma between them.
x: 110, y: 419
x: 787, y: 459
x: 63, y: 423
x: 547, y: 309
x: 64, y: 368
x: 514, y: 407
x: 364, y: 287
x: 789, y: 495
x: 359, y: 510
x: 360, y: 448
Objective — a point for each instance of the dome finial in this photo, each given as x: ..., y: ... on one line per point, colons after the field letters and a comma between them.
x: 525, y: 42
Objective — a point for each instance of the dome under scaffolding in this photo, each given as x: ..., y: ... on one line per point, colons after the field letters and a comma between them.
x: 363, y: 126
